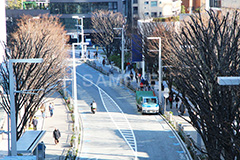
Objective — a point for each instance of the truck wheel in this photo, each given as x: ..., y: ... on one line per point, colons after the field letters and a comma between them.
x: 139, y: 110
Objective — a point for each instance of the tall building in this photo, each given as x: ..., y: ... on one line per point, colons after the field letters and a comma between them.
x: 82, y: 8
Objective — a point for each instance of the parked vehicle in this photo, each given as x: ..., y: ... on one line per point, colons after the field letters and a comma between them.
x: 147, y: 102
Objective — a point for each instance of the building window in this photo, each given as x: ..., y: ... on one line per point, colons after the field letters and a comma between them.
x: 215, y: 3
x: 146, y: 2
x: 146, y: 14
x: 135, y: 10
x: 153, y: 14
x: 112, y: 6
x: 81, y: 7
x: 153, y: 3
x: 135, y: 1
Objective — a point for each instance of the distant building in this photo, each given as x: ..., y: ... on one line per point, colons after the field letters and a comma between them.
x: 82, y: 8
x: 156, y: 8
x: 195, y: 5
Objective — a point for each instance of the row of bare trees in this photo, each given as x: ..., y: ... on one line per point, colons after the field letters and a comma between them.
x: 202, y: 49
x: 34, y: 38
x: 196, y: 52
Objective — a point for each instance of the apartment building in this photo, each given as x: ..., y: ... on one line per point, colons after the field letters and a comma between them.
x: 196, y: 5
x: 144, y: 9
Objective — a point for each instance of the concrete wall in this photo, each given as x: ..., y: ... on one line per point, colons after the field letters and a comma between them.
x: 3, y: 34
x: 230, y: 4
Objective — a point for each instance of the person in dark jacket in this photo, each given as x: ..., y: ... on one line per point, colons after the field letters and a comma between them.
x: 35, y: 122
x: 56, y: 135
x: 177, y: 100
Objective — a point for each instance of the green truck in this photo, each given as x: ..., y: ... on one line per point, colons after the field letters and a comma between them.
x: 147, y: 102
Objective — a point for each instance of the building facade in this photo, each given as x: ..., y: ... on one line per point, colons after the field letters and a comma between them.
x: 227, y: 5
x: 145, y: 9
x: 195, y: 5
x: 82, y: 8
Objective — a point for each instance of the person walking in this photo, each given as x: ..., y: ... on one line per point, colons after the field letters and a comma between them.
x: 103, y: 62
x: 96, y: 55
x: 43, y: 110
x: 170, y: 99
x: 51, y: 109
x: 177, y: 100
x: 35, y: 122
x: 131, y: 75
x: 80, y: 54
x: 56, y: 135
x: 89, y: 56
x: 136, y: 76
x: 182, y: 109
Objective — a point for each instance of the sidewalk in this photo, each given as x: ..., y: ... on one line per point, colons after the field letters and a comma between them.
x: 61, y: 119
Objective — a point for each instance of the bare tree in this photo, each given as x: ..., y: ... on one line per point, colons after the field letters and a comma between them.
x: 206, y: 47
x: 103, y: 23
x: 35, y: 38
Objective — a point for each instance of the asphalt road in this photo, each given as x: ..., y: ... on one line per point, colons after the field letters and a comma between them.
x: 117, y: 130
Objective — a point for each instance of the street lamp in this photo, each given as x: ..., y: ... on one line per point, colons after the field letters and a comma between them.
x: 12, y: 99
x: 122, y: 65
x: 160, y: 70
x: 74, y: 90
x: 82, y: 31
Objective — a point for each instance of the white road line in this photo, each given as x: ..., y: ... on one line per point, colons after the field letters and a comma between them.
x: 117, y: 116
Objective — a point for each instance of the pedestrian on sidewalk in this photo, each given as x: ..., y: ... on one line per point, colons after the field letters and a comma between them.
x: 170, y: 99
x: 182, y: 109
x: 136, y: 76
x: 131, y: 75
x: 89, y: 54
x: 103, y: 62
x: 177, y: 100
x: 51, y: 109
x: 43, y: 110
x: 35, y: 122
x: 96, y: 55
x: 56, y: 135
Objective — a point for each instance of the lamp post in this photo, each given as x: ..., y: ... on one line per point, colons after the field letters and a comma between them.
x: 74, y: 90
x: 74, y: 87
x: 82, y: 31
x: 122, y: 56
x: 12, y: 100
x: 160, y: 69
